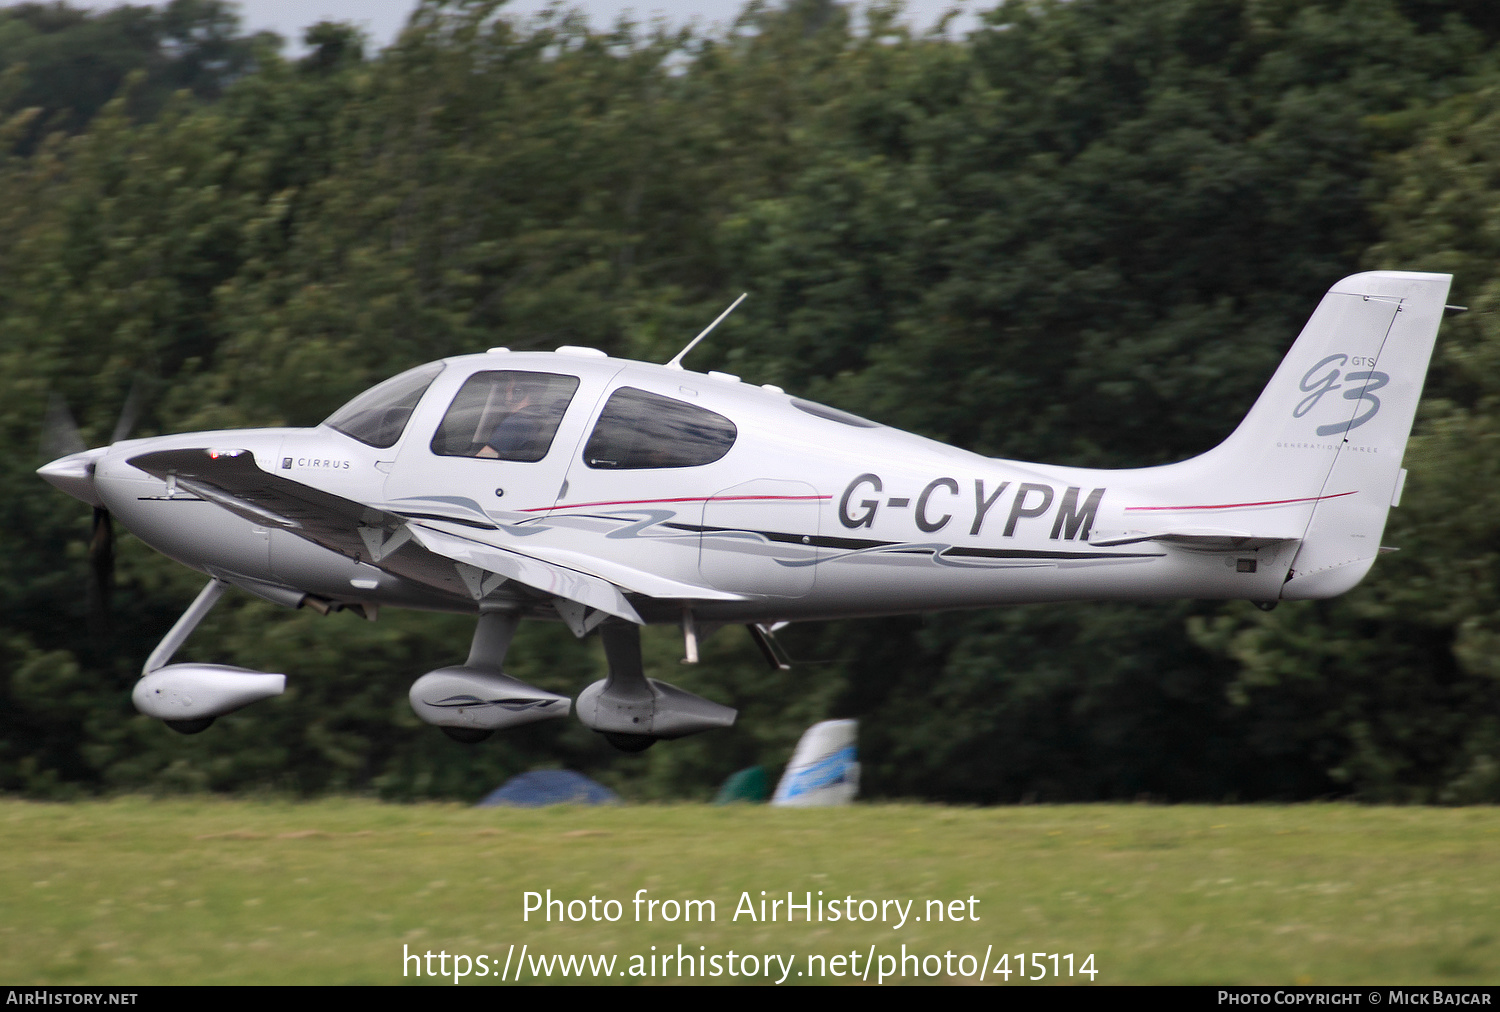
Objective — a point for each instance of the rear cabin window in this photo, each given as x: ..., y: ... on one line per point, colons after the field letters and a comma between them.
x: 640, y: 430
x: 378, y: 416
x: 506, y: 415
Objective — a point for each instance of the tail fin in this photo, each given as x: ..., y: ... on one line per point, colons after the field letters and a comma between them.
x: 1318, y: 458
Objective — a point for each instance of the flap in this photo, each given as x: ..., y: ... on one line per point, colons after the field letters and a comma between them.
x: 627, y: 578
x: 558, y: 581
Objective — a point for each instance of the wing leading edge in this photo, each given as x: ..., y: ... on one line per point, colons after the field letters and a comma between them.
x: 447, y: 562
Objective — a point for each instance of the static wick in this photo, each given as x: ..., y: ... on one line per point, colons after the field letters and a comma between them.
x: 690, y: 635
x: 676, y: 362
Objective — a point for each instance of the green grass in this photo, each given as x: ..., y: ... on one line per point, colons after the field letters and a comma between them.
x: 136, y: 891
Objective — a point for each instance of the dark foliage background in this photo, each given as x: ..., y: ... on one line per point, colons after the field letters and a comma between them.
x: 1085, y: 234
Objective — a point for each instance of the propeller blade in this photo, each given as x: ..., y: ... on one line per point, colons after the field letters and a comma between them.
x: 129, y: 412
x: 60, y: 438
x: 101, y: 570
x: 60, y: 435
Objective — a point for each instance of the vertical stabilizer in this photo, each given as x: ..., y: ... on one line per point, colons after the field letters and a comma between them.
x: 1318, y: 458
x: 824, y: 769
x: 1365, y: 410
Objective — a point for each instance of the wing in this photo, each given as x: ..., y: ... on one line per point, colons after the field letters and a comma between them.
x: 399, y: 545
x: 627, y: 578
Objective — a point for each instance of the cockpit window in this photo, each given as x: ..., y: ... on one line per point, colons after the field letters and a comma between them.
x: 642, y: 430
x: 505, y: 416
x: 833, y: 414
x: 379, y: 415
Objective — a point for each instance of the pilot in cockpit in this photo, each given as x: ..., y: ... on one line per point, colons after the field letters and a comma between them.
x: 521, y: 421
x: 505, y: 415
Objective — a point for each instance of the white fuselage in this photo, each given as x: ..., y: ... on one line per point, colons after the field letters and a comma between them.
x: 805, y: 516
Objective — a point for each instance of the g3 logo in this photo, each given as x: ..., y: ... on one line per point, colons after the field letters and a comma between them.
x: 1324, y: 378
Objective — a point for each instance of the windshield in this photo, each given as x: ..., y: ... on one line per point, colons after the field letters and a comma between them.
x: 379, y: 415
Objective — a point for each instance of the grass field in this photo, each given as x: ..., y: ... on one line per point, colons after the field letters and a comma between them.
x: 137, y: 891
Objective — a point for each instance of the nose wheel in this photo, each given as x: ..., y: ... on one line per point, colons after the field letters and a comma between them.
x: 190, y: 726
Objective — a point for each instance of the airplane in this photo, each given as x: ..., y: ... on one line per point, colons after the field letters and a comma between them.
x: 609, y: 494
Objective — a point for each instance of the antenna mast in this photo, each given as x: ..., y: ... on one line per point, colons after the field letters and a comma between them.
x: 676, y: 362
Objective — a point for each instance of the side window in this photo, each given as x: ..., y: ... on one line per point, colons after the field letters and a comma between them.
x: 505, y: 416
x: 378, y: 416
x: 641, y: 430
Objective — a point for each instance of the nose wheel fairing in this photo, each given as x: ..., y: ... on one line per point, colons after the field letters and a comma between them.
x: 190, y: 696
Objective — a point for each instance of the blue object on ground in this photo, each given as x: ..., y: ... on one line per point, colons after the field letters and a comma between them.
x: 549, y: 787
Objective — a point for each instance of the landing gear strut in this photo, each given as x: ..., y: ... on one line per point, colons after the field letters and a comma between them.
x: 634, y: 712
x: 188, y: 697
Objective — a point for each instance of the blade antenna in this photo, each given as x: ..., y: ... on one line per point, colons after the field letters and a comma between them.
x: 676, y: 362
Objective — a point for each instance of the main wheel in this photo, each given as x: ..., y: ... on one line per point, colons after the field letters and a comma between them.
x: 467, y: 735
x: 630, y: 742
x: 190, y: 726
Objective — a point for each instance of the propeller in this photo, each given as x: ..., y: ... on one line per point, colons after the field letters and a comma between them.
x: 60, y: 435
x: 60, y: 438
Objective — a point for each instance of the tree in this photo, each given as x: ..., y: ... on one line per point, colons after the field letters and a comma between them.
x: 1084, y: 235
x: 64, y: 63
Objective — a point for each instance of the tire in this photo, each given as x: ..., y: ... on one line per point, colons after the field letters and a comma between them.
x: 630, y: 742
x: 467, y: 735
x: 190, y: 726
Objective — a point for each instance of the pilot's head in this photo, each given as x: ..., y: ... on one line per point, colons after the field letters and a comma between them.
x: 518, y: 392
